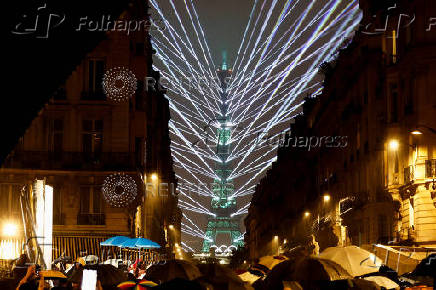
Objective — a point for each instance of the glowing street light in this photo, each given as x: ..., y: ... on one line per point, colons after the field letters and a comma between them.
x: 416, y: 132
x: 10, y: 229
x: 326, y: 198
x: 306, y: 214
x: 393, y: 145
x: 154, y: 177
x: 171, y: 227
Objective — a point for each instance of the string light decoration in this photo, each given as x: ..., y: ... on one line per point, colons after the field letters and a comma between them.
x: 119, y: 190
x: 119, y: 84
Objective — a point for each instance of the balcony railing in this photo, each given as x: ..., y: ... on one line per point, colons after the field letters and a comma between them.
x: 72, y: 160
x: 91, y: 219
x: 430, y: 168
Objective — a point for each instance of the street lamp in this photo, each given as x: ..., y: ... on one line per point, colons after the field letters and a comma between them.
x: 154, y: 177
x: 10, y: 229
x: 306, y: 214
x: 171, y: 227
x: 417, y: 131
x: 326, y: 198
x: 394, y: 144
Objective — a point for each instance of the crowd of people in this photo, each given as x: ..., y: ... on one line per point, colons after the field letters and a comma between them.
x: 29, y: 276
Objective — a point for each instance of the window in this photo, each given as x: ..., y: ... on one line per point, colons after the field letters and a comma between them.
x: 92, y: 137
x: 91, y: 206
x: 95, y: 73
x: 91, y: 200
x: 56, y: 135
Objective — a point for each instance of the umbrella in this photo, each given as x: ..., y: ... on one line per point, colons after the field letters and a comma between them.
x: 139, y: 243
x: 427, y: 267
x: 126, y: 285
x: 259, y: 270
x: 173, y: 269
x: 147, y: 283
x: 248, y: 277
x: 347, y: 284
x: 139, y: 286
x: 306, y: 271
x: 318, y: 269
x: 179, y: 284
x: 52, y: 274
x: 355, y: 260
x: 383, y: 282
x: 271, y: 261
x: 114, y: 241
x: 220, y: 277
x: 280, y: 273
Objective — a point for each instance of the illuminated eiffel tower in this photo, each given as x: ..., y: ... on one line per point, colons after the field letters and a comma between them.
x: 222, y: 204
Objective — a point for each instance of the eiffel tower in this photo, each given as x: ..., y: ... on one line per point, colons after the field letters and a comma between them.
x: 222, y: 204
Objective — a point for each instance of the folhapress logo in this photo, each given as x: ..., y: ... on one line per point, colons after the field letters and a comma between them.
x: 40, y: 23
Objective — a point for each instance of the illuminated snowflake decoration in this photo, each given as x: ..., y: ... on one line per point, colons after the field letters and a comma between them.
x: 119, y: 190
x: 119, y: 84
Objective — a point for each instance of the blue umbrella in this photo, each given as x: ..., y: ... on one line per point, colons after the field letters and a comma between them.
x: 115, y: 241
x: 139, y: 243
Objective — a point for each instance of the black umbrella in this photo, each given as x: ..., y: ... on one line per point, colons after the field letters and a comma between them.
x: 307, y: 271
x: 220, y: 277
x: 173, y: 269
x: 179, y: 284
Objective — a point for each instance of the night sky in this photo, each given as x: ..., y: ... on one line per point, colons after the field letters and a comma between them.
x: 224, y: 22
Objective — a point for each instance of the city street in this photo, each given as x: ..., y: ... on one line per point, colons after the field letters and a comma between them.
x: 219, y: 145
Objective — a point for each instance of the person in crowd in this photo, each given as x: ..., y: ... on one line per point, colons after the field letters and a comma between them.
x: 20, y: 268
x: 32, y: 280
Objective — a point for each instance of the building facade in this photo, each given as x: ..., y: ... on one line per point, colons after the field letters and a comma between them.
x: 370, y: 178
x: 81, y: 137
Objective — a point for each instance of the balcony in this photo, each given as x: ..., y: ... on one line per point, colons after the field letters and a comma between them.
x: 430, y: 168
x: 72, y: 160
x: 91, y: 219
